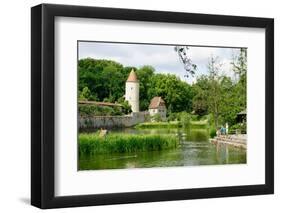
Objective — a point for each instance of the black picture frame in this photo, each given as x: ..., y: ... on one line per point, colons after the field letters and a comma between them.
x: 43, y: 102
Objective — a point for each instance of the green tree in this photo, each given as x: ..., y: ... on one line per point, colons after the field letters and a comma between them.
x: 223, y: 96
x: 176, y: 93
x: 200, y: 99
x: 214, y: 96
x: 103, y: 78
x: 185, y: 119
x: 239, y: 65
x: 229, y: 106
x: 144, y: 75
x: 217, y: 95
x: 126, y: 107
x: 86, y: 94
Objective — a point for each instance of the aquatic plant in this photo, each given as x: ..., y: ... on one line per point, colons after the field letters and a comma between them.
x: 90, y: 144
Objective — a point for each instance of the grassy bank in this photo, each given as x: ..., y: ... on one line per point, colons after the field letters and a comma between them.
x: 174, y: 124
x: 90, y: 144
x: 158, y: 125
x: 199, y: 124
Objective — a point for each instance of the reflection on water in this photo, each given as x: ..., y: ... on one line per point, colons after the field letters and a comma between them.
x: 194, y: 149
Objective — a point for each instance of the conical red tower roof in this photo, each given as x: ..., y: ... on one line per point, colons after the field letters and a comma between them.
x: 132, y: 76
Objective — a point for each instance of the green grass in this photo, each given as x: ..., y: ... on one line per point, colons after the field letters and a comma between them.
x: 199, y: 124
x: 90, y: 144
x: 158, y: 125
x: 173, y: 124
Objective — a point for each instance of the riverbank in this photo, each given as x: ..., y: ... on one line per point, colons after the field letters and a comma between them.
x: 192, y: 148
x: 156, y: 125
x: 172, y: 124
x: 90, y: 144
x: 239, y: 140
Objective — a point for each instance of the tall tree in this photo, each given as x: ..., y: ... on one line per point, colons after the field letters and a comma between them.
x: 200, y: 99
x: 214, y: 96
x: 239, y: 65
x: 176, y: 93
x: 144, y: 75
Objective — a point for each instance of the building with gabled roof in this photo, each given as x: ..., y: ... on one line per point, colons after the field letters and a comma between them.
x: 157, y: 106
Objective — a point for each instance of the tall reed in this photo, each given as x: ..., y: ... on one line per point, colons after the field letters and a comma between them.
x: 90, y: 144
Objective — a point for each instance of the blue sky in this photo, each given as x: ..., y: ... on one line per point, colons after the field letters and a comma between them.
x: 162, y: 57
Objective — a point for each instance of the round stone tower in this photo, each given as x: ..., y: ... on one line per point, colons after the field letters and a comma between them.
x: 132, y: 91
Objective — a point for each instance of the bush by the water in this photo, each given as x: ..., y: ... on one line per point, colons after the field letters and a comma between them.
x: 90, y: 144
x: 213, y: 133
x: 185, y: 119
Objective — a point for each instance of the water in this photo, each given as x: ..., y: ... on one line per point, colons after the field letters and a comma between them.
x: 194, y: 149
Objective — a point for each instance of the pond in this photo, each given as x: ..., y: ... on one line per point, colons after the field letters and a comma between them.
x: 195, y: 149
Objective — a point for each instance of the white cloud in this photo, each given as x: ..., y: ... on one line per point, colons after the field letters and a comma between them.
x: 162, y: 57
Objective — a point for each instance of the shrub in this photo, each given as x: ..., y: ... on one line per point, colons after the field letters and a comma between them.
x: 156, y: 117
x: 172, y: 117
x: 241, y: 127
x: 213, y: 133
x: 185, y: 120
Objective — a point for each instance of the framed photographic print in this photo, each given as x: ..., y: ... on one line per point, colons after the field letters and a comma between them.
x: 139, y: 106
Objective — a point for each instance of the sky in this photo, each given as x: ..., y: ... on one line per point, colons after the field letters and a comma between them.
x: 162, y: 57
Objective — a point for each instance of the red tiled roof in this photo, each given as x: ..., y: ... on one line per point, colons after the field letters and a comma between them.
x: 132, y: 76
x: 156, y: 102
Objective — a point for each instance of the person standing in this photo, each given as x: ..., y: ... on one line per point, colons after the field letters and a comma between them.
x: 226, y: 128
x: 222, y: 130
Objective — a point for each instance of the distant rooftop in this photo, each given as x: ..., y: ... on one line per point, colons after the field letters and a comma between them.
x: 132, y: 77
x: 156, y: 102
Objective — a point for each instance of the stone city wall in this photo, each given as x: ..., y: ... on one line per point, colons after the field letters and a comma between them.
x: 109, y: 122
